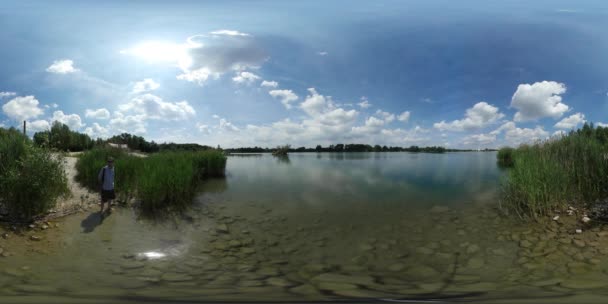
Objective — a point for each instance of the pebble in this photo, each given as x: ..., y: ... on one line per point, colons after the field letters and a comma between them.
x: 555, y: 218
x: 579, y: 231
x: 396, y: 267
x: 475, y: 263
x: 35, y: 238
x: 579, y: 243
x: 472, y: 249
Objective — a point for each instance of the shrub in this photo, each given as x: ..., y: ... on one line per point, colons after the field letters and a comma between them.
x: 31, y: 179
x: 504, y: 157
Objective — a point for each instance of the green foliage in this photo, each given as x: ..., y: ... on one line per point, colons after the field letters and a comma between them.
x: 31, y: 178
x: 504, y: 157
x: 549, y: 175
x: 162, y: 181
x: 60, y: 137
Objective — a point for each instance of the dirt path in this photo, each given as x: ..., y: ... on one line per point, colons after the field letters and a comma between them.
x: 80, y: 198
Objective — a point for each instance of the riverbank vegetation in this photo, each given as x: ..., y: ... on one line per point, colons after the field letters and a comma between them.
x: 163, y: 181
x: 31, y: 178
x: 550, y: 175
x: 354, y: 148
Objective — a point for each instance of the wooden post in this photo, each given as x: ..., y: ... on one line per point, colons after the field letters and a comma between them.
x: 24, y: 128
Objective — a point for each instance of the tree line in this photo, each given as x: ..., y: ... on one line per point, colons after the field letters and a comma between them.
x: 353, y: 148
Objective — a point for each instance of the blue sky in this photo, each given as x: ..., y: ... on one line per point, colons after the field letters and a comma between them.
x: 463, y: 74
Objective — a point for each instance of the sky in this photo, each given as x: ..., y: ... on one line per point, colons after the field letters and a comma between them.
x: 459, y: 74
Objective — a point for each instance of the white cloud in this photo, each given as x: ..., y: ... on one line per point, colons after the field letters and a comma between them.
x: 480, y: 115
x: 372, y: 125
x: 22, y: 108
x: 245, y: 77
x: 285, y: 96
x: 515, y: 135
x: 64, y: 66
x: 364, y: 104
x: 97, y: 114
x: 7, y: 94
x: 571, y: 122
x: 386, y: 116
x: 322, y: 53
x: 129, y: 123
x: 479, y: 139
x: 199, y: 76
x: 203, y: 128
x: 145, y: 85
x: 215, y: 116
x: 73, y: 121
x: 404, y: 117
x: 315, y: 103
x: 38, y: 125
x: 96, y: 131
x: 153, y: 107
x: 229, y: 33
x: 559, y: 133
x: 603, y: 125
x: 538, y: 100
x: 225, y: 125
x: 269, y: 84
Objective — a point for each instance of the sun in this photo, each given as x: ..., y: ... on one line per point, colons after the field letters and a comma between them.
x: 162, y: 52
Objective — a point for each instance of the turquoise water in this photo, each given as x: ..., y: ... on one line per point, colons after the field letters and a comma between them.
x: 317, y: 227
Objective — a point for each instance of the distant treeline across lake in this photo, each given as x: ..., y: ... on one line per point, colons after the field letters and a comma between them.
x: 353, y: 148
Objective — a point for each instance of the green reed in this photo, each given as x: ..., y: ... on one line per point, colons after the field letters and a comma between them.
x: 162, y: 181
x: 558, y: 172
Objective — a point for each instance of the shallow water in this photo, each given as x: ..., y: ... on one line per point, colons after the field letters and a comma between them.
x: 370, y: 226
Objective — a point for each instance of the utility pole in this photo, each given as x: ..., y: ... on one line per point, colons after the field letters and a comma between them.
x: 24, y: 128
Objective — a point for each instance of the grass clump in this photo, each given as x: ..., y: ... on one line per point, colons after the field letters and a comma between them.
x: 162, y: 181
x: 561, y: 171
x: 31, y: 178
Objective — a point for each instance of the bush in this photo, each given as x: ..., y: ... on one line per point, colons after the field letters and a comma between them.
x: 549, y: 175
x: 31, y: 179
x: 162, y: 181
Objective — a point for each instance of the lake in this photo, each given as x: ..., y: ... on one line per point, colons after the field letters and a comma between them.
x: 318, y: 226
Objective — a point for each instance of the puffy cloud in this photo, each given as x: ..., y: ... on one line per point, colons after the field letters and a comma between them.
x: 71, y: 120
x: 315, y: 102
x: 538, y: 100
x: 269, y: 84
x: 97, y: 114
x: 229, y: 33
x: 515, y: 135
x: 404, y: 117
x: 96, y: 131
x: 22, y: 108
x: 7, y: 94
x: 386, y: 116
x: 571, y: 122
x: 38, y: 125
x: 153, y: 107
x: 285, y: 96
x: 558, y: 133
x: 145, y: 85
x: 129, y: 123
x: 64, y: 66
x: 245, y: 77
x: 199, y: 76
x: 603, y: 125
x: 372, y: 125
x: 225, y: 125
x: 364, y: 104
x: 322, y: 53
x: 480, y: 115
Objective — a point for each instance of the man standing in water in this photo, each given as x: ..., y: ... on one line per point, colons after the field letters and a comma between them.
x: 106, y: 178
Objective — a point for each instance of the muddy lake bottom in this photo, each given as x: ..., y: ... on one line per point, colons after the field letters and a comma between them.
x: 317, y: 227
x: 224, y: 251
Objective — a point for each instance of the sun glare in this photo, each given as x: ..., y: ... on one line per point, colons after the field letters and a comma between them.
x: 160, y: 51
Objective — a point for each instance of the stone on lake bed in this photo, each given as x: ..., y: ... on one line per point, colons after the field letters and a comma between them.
x: 305, y: 289
x: 439, y: 209
x: 475, y: 263
x: 343, y: 278
x: 424, y: 250
x: 422, y: 272
x: 585, y: 283
x: 525, y: 244
x: 222, y: 228
x: 336, y: 286
x: 279, y: 282
x: 132, y: 265
x: 176, y: 277
x: 579, y: 243
x: 35, y: 238
x: 396, y: 267
x: 472, y: 248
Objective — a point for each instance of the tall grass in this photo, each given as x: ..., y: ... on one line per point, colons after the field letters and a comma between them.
x: 162, y: 181
x: 504, y: 157
x: 31, y: 178
x: 555, y: 173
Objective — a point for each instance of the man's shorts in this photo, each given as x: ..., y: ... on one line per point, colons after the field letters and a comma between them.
x: 107, y: 195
